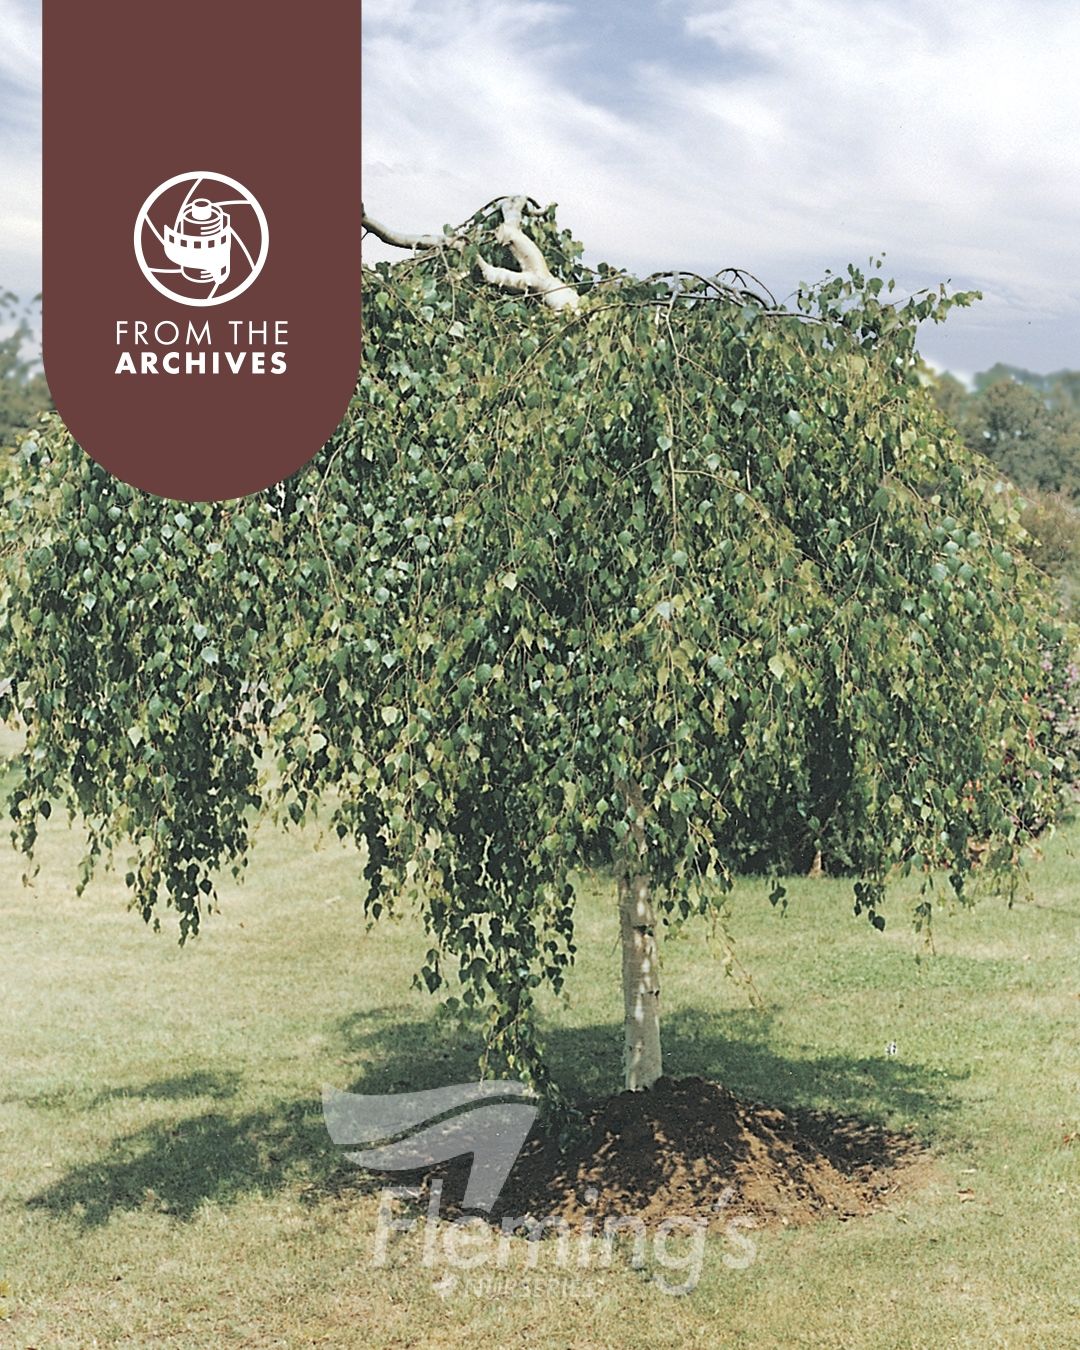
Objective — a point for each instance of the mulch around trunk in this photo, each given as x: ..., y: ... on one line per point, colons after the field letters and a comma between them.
x: 689, y: 1147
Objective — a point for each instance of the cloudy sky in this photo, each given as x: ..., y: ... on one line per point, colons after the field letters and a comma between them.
x: 785, y: 136
x: 20, y: 146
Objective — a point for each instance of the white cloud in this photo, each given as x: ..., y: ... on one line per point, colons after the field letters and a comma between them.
x: 20, y: 147
x: 947, y: 128
x: 20, y: 46
x: 786, y: 136
x: 465, y: 101
x: 806, y: 133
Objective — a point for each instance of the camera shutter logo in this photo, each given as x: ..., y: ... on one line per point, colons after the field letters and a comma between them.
x: 201, y: 239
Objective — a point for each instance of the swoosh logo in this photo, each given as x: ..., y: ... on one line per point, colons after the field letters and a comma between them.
x: 401, y: 1132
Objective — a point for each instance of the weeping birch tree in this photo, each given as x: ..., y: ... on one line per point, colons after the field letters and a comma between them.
x: 655, y: 576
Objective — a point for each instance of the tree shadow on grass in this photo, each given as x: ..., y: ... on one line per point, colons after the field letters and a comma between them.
x: 733, y: 1048
x: 201, y: 1083
x: 216, y: 1083
x: 219, y: 1157
x: 176, y: 1167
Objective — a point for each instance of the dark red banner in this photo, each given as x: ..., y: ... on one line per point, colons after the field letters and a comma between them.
x: 201, y: 235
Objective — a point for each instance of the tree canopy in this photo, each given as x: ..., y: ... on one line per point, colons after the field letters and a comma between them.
x: 673, y: 571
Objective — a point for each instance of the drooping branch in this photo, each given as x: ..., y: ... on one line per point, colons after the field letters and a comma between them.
x: 534, y: 277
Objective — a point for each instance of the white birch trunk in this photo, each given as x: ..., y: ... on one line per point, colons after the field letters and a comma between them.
x: 640, y: 956
x: 641, y: 982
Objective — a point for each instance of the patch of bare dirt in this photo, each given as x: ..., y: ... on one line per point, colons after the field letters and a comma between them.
x: 690, y: 1147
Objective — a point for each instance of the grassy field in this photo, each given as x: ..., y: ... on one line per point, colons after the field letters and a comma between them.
x: 166, y: 1179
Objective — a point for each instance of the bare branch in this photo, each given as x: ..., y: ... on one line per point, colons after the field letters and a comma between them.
x: 410, y: 241
x: 535, y: 276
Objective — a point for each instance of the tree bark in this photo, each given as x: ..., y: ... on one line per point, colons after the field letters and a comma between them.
x: 396, y: 239
x: 535, y: 277
x: 640, y: 957
x: 641, y: 981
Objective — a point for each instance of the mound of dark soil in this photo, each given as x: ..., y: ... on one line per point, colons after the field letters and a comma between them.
x: 690, y: 1147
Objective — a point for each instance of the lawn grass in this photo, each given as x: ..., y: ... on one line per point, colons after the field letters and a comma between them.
x: 166, y: 1179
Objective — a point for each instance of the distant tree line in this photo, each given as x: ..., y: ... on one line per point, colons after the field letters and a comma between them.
x: 1028, y: 425
x: 23, y: 391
